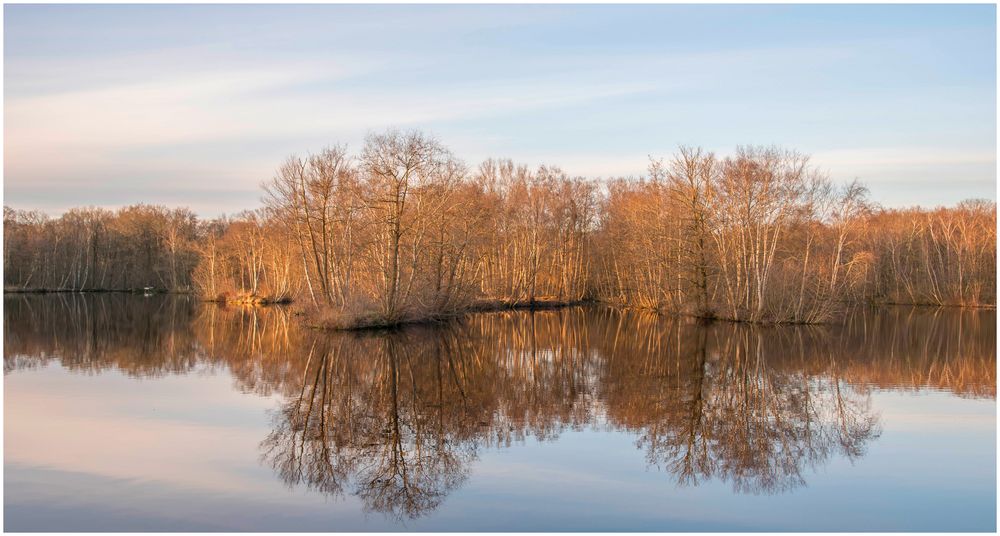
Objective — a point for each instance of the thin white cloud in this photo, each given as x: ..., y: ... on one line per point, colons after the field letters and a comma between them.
x: 100, y: 134
x: 220, y: 109
x: 901, y: 157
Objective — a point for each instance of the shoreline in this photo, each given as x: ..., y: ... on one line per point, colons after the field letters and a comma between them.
x: 94, y: 291
x: 481, y: 306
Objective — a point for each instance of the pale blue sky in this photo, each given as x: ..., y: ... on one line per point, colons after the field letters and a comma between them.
x: 196, y: 105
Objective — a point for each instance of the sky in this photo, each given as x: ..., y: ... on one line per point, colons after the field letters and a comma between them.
x: 187, y: 105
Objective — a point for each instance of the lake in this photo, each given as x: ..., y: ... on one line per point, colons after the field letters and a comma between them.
x: 161, y: 413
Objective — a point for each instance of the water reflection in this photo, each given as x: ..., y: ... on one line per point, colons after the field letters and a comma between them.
x: 398, y: 419
x: 730, y: 406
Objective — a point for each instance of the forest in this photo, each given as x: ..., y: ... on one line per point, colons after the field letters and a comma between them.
x: 404, y: 231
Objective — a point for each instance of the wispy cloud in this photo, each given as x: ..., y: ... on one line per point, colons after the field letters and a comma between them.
x: 895, y: 157
x: 151, y: 95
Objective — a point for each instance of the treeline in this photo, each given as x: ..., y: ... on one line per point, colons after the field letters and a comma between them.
x: 404, y: 231
x: 763, y: 236
x: 96, y: 249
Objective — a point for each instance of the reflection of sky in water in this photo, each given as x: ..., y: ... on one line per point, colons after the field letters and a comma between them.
x: 88, y: 450
x: 181, y: 453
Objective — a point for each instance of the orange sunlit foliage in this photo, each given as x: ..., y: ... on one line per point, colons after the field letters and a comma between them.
x: 404, y: 231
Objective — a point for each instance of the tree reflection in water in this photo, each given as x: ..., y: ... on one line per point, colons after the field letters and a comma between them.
x: 378, y: 414
x: 398, y: 418
x: 732, y: 403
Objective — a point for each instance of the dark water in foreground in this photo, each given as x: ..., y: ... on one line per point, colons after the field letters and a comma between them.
x: 131, y: 413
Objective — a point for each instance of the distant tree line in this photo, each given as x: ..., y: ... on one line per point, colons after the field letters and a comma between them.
x: 404, y: 231
x: 97, y: 249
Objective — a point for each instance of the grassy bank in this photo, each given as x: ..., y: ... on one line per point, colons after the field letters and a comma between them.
x: 348, y: 321
x: 248, y: 299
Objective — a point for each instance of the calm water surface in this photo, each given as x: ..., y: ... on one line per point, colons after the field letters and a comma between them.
x: 131, y: 413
